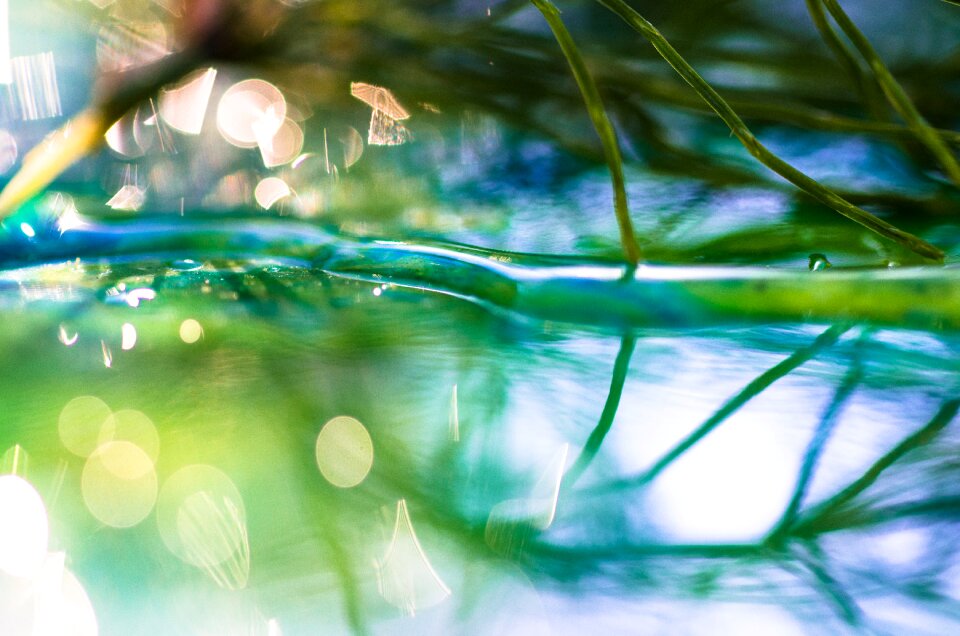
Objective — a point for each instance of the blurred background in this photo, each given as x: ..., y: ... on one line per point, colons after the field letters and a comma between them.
x: 201, y: 438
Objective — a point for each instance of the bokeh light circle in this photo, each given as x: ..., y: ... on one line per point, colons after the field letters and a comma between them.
x: 344, y: 451
x: 201, y: 516
x: 119, y: 484
x: 80, y: 423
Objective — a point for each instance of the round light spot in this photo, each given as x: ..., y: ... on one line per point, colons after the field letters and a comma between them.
x: 119, y: 484
x: 249, y: 111
x: 128, y: 336
x: 344, y: 451
x: 269, y: 191
x: 80, y: 423
x: 24, y: 528
x: 130, y: 425
x: 284, y: 146
x: 190, y: 331
x: 201, y: 518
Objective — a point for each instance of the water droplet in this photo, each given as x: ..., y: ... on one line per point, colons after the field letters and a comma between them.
x: 819, y: 262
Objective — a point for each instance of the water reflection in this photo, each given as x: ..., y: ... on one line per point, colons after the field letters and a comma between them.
x: 227, y: 475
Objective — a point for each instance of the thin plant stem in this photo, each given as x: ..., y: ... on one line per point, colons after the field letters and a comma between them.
x: 592, y: 446
x: 865, y: 84
x: 757, y: 386
x: 601, y: 122
x: 814, y: 451
x: 758, y: 150
x: 931, y: 429
x: 896, y: 96
x: 815, y: 563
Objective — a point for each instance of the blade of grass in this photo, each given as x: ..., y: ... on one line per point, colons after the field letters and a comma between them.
x: 865, y: 84
x: 757, y: 149
x: 896, y: 96
x: 598, y: 115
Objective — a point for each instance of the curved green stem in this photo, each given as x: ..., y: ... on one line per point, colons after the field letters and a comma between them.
x: 896, y: 96
x: 758, y: 150
x: 598, y: 115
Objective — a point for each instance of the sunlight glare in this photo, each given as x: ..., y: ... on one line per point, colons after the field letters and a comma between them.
x: 130, y: 425
x: 190, y: 331
x: 271, y: 190
x: 24, y: 529
x: 249, y: 111
x: 202, y: 520
x: 128, y: 336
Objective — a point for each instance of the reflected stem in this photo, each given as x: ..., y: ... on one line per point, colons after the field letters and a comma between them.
x: 825, y: 427
x: 813, y: 521
x: 590, y: 449
x: 814, y: 562
x: 757, y: 386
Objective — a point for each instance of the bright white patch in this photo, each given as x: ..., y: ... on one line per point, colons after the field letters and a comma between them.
x: 24, y: 529
x: 271, y: 190
x: 134, y: 296
x: 249, y: 111
x: 185, y: 106
x: 283, y: 146
x: 128, y: 336
x: 730, y: 487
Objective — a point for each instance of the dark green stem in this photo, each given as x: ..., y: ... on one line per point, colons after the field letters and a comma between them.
x: 757, y: 149
x: 598, y: 115
x: 896, y: 96
x: 814, y: 449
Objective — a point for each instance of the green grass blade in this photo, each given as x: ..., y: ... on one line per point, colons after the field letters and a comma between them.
x: 598, y: 115
x: 895, y: 94
x: 758, y: 150
x: 865, y: 84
